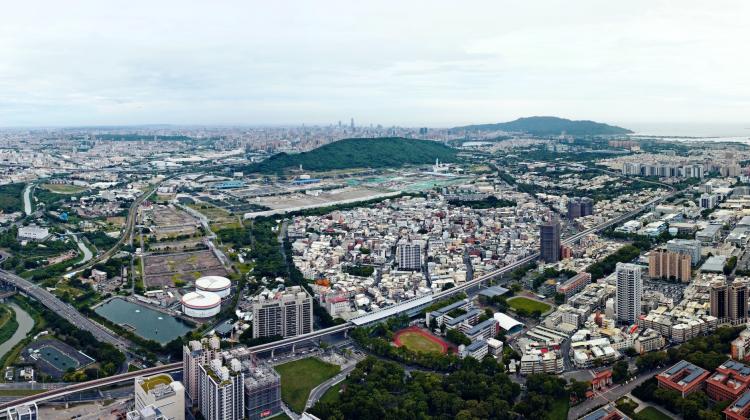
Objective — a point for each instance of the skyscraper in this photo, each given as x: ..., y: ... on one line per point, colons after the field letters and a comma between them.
x: 222, y: 390
x: 409, y: 254
x: 580, y: 207
x: 549, y: 241
x: 629, y: 292
x: 287, y: 313
x: 729, y: 302
x: 195, y: 354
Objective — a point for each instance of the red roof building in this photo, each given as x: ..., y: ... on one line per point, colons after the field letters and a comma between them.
x: 730, y: 380
x: 684, y: 377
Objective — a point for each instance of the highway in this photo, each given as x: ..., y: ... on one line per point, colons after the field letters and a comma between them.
x: 102, y: 334
x: 85, y: 386
x: 64, y: 310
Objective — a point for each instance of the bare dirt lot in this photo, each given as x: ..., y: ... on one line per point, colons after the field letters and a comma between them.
x: 165, y: 270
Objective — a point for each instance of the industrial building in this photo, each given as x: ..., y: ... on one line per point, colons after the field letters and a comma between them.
x: 214, y: 284
x: 201, y: 304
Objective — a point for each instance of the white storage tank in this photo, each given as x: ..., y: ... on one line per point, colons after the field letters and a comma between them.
x: 201, y: 304
x: 214, y: 284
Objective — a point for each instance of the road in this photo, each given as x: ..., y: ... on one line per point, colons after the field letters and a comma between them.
x: 64, y: 310
x: 317, y: 392
x: 85, y: 386
x: 610, y: 395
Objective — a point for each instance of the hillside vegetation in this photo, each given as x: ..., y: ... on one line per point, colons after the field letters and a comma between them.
x: 550, y: 126
x: 360, y: 153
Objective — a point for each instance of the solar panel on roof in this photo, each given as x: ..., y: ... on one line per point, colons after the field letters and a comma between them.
x: 693, y: 375
x: 678, y: 367
x: 744, y: 399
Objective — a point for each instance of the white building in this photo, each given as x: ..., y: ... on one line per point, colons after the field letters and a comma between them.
x: 33, y: 233
x: 161, y: 392
x: 409, y: 255
x: 222, y: 390
x: 194, y: 355
x: 286, y: 314
x: 629, y: 292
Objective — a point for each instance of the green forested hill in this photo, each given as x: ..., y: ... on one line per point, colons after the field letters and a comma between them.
x: 360, y: 153
x: 550, y: 126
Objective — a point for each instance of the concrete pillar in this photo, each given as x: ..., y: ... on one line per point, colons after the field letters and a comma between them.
x: 272, y: 353
x: 346, y: 333
x: 294, y: 345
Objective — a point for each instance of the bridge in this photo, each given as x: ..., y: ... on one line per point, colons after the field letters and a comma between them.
x: 404, y: 307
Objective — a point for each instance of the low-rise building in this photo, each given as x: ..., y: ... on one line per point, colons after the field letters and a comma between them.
x: 684, y: 378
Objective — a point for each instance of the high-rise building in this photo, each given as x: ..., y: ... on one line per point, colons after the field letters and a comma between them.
x: 629, y: 292
x: 286, y: 313
x: 262, y: 392
x: 729, y: 302
x: 549, y: 241
x: 580, y: 207
x: 222, y: 390
x: 667, y: 264
x: 409, y: 254
x: 195, y: 354
x: 690, y: 247
x: 161, y: 392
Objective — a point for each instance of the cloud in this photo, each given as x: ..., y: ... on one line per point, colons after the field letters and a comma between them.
x: 434, y: 63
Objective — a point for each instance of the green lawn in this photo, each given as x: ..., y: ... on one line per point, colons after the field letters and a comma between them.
x: 651, y: 413
x: 19, y: 392
x: 527, y: 304
x: 417, y: 342
x: 298, y: 378
x: 559, y: 410
x: 64, y: 188
x: 332, y: 395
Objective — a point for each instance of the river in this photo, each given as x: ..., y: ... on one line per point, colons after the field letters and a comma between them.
x: 27, y: 199
x: 25, y: 324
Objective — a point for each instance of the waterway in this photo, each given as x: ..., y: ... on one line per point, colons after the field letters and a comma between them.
x: 27, y: 199
x: 25, y: 324
x: 145, y: 322
x: 87, y: 255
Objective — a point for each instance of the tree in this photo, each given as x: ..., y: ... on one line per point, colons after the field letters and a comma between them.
x: 559, y: 298
x: 578, y: 389
x: 620, y: 371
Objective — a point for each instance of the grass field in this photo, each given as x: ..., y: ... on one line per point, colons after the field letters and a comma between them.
x: 332, y: 395
x: 416, y: 341
x: 63, y: 188
x: 559, y: 410
x: 299, y: 377
x: 19, y: 392
x: 651, y: 413
x: 530, y: 305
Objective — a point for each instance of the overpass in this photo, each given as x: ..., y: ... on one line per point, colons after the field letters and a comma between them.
x: 64, y: 310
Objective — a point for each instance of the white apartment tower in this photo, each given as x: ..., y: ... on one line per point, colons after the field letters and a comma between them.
x: 194, y: 355
x: 629, y: 292
x: 409, y: 255
x: 222, y: 390
x: 287, y: 313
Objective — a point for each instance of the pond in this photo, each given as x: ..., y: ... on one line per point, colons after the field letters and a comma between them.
x: 145, y: 322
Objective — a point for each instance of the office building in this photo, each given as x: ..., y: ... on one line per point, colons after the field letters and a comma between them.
x: 629, y: 292
x: 286, y: 313
x: 580, y: 207
x: 730, y: 380
x: 684, y: 378
x: 161, y: 392
x: 194, y: 355
x: 549, y: 241
x: 729, y: 302
x: 262, y: 392
x: 669, y: 265
x: 222, y: 390
x: 690, y: 247
x: 409, y: 255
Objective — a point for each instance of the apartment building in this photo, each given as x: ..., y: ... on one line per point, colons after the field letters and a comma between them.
x: 286, y: 313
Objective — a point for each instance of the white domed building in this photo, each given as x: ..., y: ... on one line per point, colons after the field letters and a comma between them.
x: 201, y: 304
x: 214, y: 284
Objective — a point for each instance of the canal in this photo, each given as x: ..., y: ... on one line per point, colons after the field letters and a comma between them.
x: 145, y: 322
x: 25, y: 324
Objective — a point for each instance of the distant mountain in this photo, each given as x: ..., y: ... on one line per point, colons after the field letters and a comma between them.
x: 550, y: 126
x: 360, y: 153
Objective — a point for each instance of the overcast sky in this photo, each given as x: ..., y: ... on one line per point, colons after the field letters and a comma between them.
x: 383, y: 62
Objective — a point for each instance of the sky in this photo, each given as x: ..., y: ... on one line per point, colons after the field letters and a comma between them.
x: 410, y: 63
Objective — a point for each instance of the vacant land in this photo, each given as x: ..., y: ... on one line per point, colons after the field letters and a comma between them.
x: 165, y: 270
x: 63, y: 188
x: 420, y: 341
x: 529, y: 305
x: 298, y: 378
x: 11, y: 199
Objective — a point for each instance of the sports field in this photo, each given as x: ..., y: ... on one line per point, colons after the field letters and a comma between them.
x: 63, y: 188
x: 527, y: 304
x: 419, y: 340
